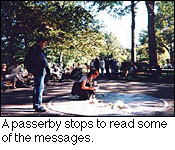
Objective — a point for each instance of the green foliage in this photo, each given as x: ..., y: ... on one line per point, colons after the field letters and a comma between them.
x: 113, y: 48
x: 22, y: 22
x: 72, y: 32
x: 164, y: 25
x: 116, y: 8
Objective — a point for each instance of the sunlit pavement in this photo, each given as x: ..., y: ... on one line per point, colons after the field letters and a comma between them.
x: 138, y: 99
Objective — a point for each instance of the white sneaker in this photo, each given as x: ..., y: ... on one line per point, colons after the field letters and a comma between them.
x: 74, y: 97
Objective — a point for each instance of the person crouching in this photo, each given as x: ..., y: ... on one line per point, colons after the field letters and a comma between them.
x: 85, y: 88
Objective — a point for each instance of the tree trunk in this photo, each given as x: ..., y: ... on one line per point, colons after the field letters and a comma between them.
x: 61, y: 57
x: 171, y: 54
x: 133, y: 51
x: 151, y: 32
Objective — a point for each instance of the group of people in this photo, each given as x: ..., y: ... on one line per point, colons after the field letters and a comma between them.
x: 108, y: 67
x: 41, y: 67
x: 112, y: 68
x: 107, y: 64
x: 83, y: 89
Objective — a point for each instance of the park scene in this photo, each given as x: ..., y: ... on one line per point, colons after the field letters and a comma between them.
x: 64, y: 58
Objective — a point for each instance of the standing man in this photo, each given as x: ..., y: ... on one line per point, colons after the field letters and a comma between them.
x: 107, y: 66
x: 41, y: 66
x: 96, y: 64
x: 102, y: 65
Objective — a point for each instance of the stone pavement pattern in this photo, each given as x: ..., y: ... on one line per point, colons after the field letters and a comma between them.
x: 18, y: 102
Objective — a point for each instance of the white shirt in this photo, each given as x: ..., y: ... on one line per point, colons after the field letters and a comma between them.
x: 102, y: 63
x: 92, y: 64
x: 83, y: 78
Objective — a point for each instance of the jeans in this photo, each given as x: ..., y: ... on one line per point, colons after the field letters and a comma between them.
x: 38, y: 89
x: 2, y: 85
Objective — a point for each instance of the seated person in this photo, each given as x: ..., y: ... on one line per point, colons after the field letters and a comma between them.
x: 11, y: 75
x: 155, y: 71
x: 169, y: 66
x: 15, y: 69
x: 84, y: 88
x: 132, y: 70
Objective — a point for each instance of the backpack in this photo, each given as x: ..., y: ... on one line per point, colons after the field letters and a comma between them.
x: 30, y: 60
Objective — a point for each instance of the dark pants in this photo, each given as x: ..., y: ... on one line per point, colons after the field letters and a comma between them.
x: 3, y: 87
x: 83, y: 94
x: 107, y: 72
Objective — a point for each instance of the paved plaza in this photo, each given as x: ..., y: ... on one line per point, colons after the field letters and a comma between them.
x: 118, y: 98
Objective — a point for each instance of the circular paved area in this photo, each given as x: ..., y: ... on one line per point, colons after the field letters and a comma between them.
x: 111, y: 104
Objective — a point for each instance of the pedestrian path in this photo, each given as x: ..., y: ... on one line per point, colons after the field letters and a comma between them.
x: 127, y: 99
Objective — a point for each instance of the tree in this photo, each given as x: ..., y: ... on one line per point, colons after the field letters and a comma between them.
x: 19, y: 23
x: 73, y: 33
x: 22, y: 22
x: 151, y: 32
x: 119, y: 9
x: 164, y: 31
x: 113, y: 48
x: 164, y: 22
x: 133, y: 50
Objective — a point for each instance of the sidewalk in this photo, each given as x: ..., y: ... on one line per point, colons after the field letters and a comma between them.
x: 18, y: 102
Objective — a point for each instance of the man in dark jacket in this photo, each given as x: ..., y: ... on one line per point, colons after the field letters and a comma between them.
x: 39, y: 74
x: 97, y: 64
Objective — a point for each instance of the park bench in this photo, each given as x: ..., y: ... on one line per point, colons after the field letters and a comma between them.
x: 142, y: 68
x: 168, y: 71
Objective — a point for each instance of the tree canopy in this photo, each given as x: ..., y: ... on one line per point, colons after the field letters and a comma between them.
x: 72, y: 31
x: 164, y: 27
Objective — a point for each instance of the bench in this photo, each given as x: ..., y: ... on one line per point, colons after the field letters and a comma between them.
x: 168, y: 71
